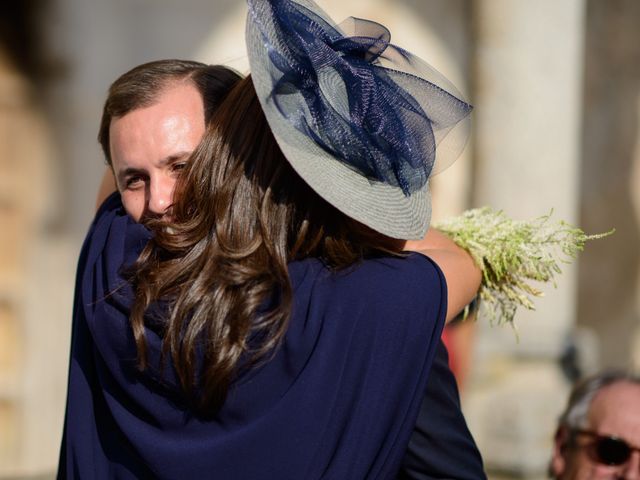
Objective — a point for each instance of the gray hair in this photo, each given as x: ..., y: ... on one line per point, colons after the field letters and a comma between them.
x: 577, y: 409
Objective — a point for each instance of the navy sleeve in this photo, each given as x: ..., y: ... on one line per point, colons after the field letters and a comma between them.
x: 441, y: 446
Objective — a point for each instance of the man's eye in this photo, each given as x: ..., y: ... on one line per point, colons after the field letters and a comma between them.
x: 178, y: 166
x: 134, y: 182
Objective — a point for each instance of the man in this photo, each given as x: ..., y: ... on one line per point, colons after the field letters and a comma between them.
x: 154, y: 117
x: 598, y: 436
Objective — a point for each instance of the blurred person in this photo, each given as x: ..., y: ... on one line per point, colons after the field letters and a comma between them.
x: 151, y: 199
x: 598, y: 435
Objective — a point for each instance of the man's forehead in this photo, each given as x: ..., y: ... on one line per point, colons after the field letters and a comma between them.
x: 172, y: 126
x: 616, y: 409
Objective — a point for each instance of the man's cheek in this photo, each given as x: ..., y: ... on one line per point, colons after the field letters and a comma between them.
x: 590, y: 471
x: 133, y: 203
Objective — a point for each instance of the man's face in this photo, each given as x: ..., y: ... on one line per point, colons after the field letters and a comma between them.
x: 150, y: 145
x: 615, y: 410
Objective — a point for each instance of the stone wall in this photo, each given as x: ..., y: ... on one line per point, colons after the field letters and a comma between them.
x: 609, y: 288
x: 36, y: 274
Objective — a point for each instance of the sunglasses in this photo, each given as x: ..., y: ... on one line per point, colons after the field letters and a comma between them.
x: 607, y: 449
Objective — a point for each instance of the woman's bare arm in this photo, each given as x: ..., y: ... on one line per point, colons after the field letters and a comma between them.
x: 462, y: 274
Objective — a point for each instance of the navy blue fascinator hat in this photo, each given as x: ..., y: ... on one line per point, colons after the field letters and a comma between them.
x: 363, y: 122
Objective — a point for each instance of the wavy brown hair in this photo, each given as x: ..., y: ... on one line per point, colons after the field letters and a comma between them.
x: 241, y: 215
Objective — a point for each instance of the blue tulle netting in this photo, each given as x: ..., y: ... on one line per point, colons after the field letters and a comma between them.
x: 376, y: 107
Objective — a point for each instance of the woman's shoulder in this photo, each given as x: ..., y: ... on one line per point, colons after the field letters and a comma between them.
x: 405, y: 268
x: 411, y: 283
x: 411, y: 278
x: 381, y: 308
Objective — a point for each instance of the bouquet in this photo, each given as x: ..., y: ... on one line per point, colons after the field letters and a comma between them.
x: 512, y: 255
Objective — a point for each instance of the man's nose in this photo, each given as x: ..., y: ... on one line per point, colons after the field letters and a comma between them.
x: 160, y: 195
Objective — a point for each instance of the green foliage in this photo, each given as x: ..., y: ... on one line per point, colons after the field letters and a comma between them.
x: 513, y: 255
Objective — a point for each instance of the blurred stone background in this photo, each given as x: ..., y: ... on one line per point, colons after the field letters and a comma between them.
x: 556, y: 86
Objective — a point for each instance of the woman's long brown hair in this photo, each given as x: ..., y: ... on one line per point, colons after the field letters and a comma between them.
x: 241, y: 214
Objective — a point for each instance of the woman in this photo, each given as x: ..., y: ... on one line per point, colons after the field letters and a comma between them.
x: 274, y: 328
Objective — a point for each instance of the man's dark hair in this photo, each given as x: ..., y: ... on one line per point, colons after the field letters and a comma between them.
x: 141, y: 86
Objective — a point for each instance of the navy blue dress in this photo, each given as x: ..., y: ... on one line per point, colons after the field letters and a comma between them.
x: 338, y: 400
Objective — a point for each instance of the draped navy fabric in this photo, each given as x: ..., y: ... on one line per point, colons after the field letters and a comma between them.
x: 338, y: 400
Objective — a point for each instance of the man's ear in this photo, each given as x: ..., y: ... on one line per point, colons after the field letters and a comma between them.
x: 558, y: 465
